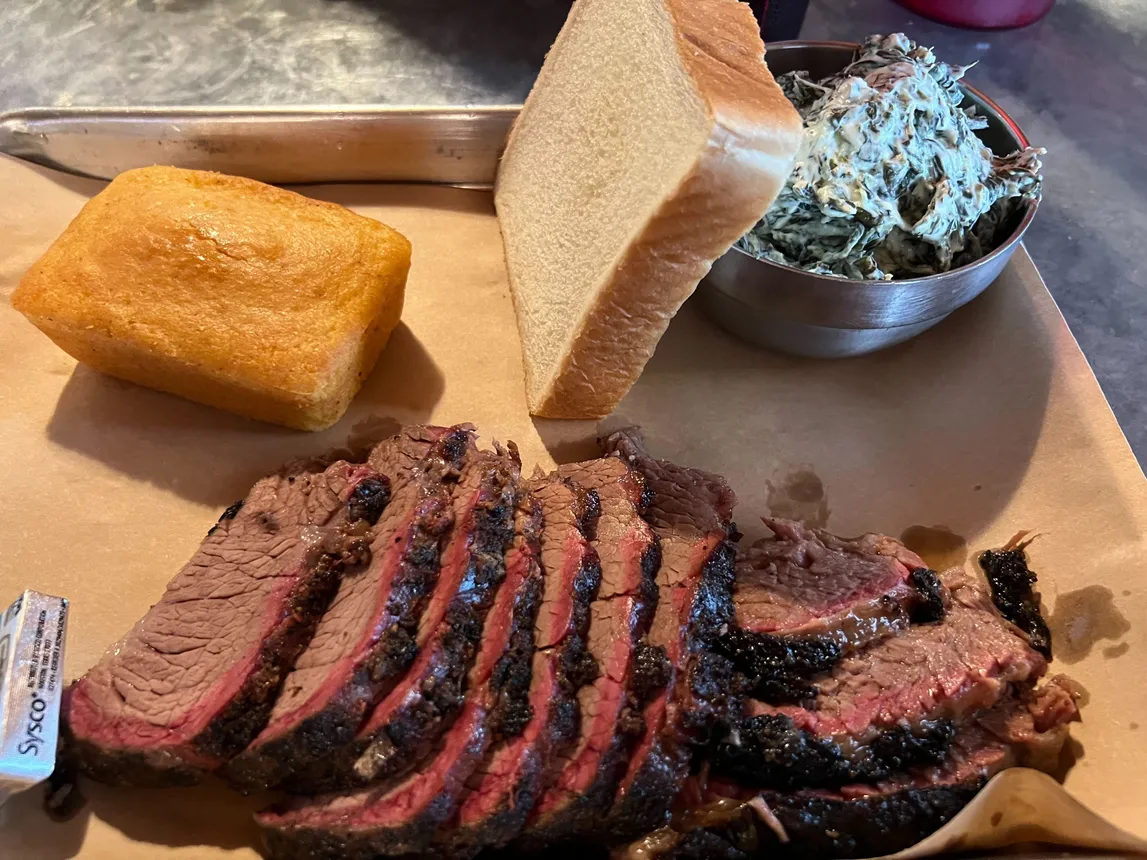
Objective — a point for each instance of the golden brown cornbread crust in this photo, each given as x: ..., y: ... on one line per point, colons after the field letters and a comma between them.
x: 222, y: 290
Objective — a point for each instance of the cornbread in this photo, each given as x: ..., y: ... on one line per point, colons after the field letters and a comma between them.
x: 222, y: 290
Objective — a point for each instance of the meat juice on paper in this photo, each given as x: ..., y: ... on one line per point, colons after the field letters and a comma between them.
x: 32, y: 633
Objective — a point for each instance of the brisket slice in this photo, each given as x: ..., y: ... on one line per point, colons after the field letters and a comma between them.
x: 805, y: 598
x: 586, y: 775
x: 403, y: 817
x: 366, y: 638
x: 865, y: 820
x: 504, y: 788
x: 895, y: 704
x: 868, y: 822
x: 194, y: 681
x: 401, y: 729
x: 686, y: 687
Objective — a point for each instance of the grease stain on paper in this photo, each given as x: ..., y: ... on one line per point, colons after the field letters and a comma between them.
x: 799, y: 495
x: 1082, y: 619
x: 939, y: 546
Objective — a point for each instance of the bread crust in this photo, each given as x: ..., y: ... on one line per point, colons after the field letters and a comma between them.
x: 222, y: 290
x: 745, y: 162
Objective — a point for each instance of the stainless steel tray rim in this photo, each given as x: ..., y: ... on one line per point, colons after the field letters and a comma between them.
x: 455, y: 145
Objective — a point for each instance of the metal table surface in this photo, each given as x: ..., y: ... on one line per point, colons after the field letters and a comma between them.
x: 1076, y: 82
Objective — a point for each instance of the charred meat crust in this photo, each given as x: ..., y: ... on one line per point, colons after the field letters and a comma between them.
x: 640, y: 688
x: 651, y: 668
x: 646, y: 803
x: 369, y: 499
x: 929, y: 606
x: 822, y: 828
x: 866, y: 827
x: 241, y: 720
x: 409, y: 733
x: 509, y: 684
x: 1011, y: 581
x: 502, y: 803
x: 583, y: 814
x: 229, y: 514
x: 690, y: 512
x: 144, y: 768
x: 245, y: 714
x: 404, y: 816
x: 768, y: 751
x: 777, y: 668
x: 713, y: 690
x: 629, y: 573
x: 268, y: 763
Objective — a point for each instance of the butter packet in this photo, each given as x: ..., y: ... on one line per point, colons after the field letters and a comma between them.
x: 32, y: 632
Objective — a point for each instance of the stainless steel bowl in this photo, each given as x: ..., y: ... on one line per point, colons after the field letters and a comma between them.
x: 826, y: 317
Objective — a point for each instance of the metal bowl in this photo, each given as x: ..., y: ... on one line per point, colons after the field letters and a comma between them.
x: 828, y: 317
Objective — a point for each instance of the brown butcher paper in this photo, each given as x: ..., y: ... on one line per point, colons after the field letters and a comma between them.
x: 989, y: 424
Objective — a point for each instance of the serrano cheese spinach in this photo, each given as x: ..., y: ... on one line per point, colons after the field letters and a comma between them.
x: 890, y: 180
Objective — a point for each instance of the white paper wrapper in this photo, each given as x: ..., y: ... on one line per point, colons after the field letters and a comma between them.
x: 32, y: 632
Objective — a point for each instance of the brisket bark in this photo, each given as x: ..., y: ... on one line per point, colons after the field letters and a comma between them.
x: 402, y: 728
x: 366, y: 639
x: 891, y: 706
x: 403, y: 817
x: 687, y: 688
x: 1011, y: 581
x: 806, y: 598
x: 865, y: 820
x: 194, y: 681
x: 503, y: 790
x: 587, y: 775
x: 888, y: 816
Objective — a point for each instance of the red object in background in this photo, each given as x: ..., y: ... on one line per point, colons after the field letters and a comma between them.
x: 982, y: 14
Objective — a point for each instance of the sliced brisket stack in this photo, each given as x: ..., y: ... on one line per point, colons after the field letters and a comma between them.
x: 686, y: 688
x: 872, y: 741
x: 586, y: 776
x: 366, y: 639
x: 437, y: 657
x: 806, y: 598
x: 403, y: 816
x: 737, y: 822
x: 195, y: 679
x: 503, y: 790
x: 897, y: 703
x: 403, y: 727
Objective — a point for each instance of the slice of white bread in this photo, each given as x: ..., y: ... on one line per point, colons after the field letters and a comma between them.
x: 653, y: 139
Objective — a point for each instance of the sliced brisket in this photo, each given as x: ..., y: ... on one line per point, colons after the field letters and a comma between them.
x: 587, y: 775
x: 687, y: 688
x: 805, y: 598
x: 893, y: 705
x: 865, y: 820
x: 503, y: 790
x: 366, y: 639
x: 403, y: 817
x: 403, y: 727
x: 195, y: 679
x: 878, y: 819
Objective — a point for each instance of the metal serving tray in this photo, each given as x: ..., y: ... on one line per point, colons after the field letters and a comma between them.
x: 282, y: 145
